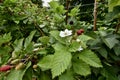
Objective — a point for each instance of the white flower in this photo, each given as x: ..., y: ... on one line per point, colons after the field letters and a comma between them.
x: 80, y: 48
x: 78, y: 40
x: 65, y: 33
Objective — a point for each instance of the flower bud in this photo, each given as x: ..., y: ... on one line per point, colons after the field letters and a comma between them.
x: 20, y: 66
x: 15, y: 61
x: 79, y: 32
x: 35, y: 66
x: 5, y: 68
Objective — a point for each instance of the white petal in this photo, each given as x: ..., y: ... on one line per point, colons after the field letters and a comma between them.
x: 66, y: 30
x: 80, y: 48
x: 70, y: 32
x: 65, y: 33
x: 62, y: 34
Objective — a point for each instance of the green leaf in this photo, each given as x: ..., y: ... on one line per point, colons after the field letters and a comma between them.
x: 60, y: 63
x: 68, y: 75
x: 5, y: 38
x: 117, y: 50
x: 74, y: 46
x: 44, y: 76
x: 112, y: 4
x: 5, y: 50
x: 55, y: 34
x: 58, y: 18
x: 103, y: 33
x: 81, y: 68
x: 53, y: 4
x: 103, y: 52
x: 90, y: 58
x: 60, y: 9
x: 109, y: 74
x: 28, y: 74
x: 74, y: 11
x: 44, y: 39
x: 84, y: 38
x: 101, y: 78
x: 18, y: 74
x: 115, y: 14
x: 61, y: 60
x: 42, y: 51
x: 46, y: 62
x: 18, y: 45
x: 59, y: 47
x: 29, y: 39
x: 110, y: 42
x: 29, y: 48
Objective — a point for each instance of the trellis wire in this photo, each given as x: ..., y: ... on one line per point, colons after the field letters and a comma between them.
x: 88, y: 4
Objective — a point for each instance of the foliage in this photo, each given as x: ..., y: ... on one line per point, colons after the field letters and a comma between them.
x: 31, y: 43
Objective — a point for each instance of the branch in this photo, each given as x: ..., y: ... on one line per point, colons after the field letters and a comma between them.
x: 39, y: 29
x: 95, y: 15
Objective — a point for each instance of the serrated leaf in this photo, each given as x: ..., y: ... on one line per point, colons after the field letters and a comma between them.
x: 109, y: 74
x: 55, y: 34
x: 68, y: 75
x: 81, y: 68
x: 28, y: 74
x: 84, y: 38
x: 53, y: 4
x: 110, y: 42
x: 44, y: 39
x: 90, y: 58
x: 5, y: 38
x: 74, y: 46
x: 18, y: 45
x: 46, y: 62
x: 101, y: 78
x: 29, y: 48
x: 103, y: 52
x: 61, y: 60
x: 17, y: 74
x: 112, y: 4
x: 74, y: 11
x: 58, y: 17
x: 60, y: 9
x: 103, y: 33
x: 117, y: 50
x: 59, y: 47
x: 5, y: 50
x: 29, y: 39
x: 44, y: 76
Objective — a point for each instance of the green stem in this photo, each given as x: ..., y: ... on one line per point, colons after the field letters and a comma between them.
x: 39, y: 29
